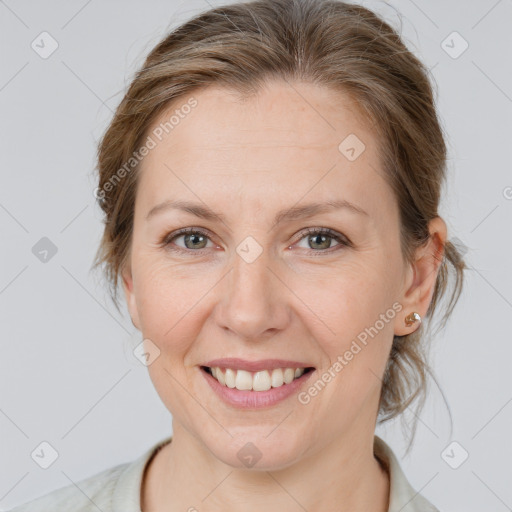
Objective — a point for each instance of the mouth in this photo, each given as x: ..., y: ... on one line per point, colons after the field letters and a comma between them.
x: 258, y: 381
x: 255, y: 384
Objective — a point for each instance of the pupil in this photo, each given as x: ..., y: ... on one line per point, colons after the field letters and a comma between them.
x: 196, y: 238
x: 323, y: 238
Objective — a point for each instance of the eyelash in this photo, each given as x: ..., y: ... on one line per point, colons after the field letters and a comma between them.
x: 341, y: 239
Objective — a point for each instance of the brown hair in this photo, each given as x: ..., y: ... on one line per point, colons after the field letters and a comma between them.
x: 327, y: 42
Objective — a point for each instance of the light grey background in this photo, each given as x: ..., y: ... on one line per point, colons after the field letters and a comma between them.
x: 68, y: 375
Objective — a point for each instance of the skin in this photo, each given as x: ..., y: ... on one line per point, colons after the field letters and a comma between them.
x: 298, y: 300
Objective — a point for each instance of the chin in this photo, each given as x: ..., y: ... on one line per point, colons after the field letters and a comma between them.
x: 258, y: 448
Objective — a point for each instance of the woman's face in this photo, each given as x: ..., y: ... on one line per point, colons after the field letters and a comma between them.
x: 260, y: 289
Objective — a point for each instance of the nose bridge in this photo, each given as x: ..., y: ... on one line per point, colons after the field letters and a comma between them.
x: 253, y: 304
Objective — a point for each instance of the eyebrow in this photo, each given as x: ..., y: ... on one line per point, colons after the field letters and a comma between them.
x: 289, y: 214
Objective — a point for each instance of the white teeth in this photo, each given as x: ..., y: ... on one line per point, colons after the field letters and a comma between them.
x: 261, y: 381
x: 219, y: 375
x: 257, y: 381
x: 243, y: 380
x: 289, y: 375
x: 277, y: 378
x: 230, y: 378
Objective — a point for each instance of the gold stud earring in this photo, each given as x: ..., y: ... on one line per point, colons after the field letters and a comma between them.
x: 412, y: 318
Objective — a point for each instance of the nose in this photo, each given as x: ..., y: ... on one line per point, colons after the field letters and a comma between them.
x: 253, y: 300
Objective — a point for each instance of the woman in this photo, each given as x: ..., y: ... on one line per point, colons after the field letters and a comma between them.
x: 270, y: 184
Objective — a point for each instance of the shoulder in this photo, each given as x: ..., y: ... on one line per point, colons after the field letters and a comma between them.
x: 402, y: 496
x: 116, y: 489
x: 89, y: 494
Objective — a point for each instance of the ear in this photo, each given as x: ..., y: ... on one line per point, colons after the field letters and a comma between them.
x: 129, y: 294
x: 421, y: 277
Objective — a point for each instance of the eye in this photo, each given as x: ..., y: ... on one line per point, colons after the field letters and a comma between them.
x: 193, y: 239
x: 196, y: 239
x: 320, y: 239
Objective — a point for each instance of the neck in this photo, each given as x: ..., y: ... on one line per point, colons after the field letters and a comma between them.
x: 343, y: 476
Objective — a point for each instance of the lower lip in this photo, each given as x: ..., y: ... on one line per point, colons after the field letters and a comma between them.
x: 255, y: 399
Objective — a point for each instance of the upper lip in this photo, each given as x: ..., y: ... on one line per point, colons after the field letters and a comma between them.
x: 254, y: 366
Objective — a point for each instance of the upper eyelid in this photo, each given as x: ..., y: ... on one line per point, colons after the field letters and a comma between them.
x: 185, y: 231
x: 326, y: 231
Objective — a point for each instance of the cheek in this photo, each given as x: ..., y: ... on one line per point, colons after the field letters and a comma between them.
x: 346, y: 301
x: 169, y: 302
x: 355, y: 331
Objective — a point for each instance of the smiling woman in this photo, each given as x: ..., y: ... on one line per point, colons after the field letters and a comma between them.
x: 279, y: 244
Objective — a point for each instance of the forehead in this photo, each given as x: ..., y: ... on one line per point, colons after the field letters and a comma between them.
x: 301, y: 114
x: 286, y: 139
